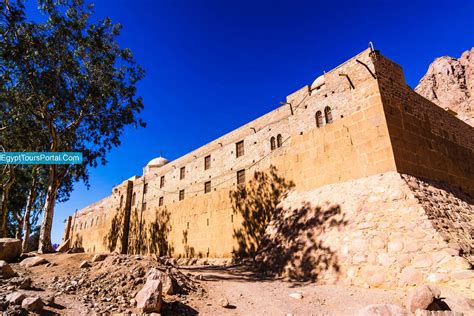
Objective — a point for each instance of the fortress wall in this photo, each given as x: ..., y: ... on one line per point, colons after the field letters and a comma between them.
x: 359, y: 143
x: 427, y: 141
x: 100, y: 226
x: 355, y: 145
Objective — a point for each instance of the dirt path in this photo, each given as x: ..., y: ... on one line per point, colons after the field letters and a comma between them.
x: 250, y: 295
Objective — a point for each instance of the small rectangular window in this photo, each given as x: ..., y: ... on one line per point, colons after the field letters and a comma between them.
x: 134, y: 196
x: 182, y: 172
x: 162, y: 181
x: 144, y: 206
x: 207, y: 162
x: 207, y: 187
x: 181, y: 195
x: 241, y: 176
x: 239, y: 148
x: 145, y: 188
x: 160, y: 201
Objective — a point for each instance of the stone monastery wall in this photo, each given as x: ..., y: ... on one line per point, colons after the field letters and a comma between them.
x: 372, y: 115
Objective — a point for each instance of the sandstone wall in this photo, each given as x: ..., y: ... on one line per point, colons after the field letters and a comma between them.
x: 379, y: 125
x: 371, y: 232
x: 427, y: 141
x: 355, y: 144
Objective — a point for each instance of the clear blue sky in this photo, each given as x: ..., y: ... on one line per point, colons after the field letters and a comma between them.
x: 212, y: 66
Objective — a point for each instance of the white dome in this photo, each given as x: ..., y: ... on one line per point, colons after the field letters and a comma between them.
x: 318, y: 82
x: 157, y: 162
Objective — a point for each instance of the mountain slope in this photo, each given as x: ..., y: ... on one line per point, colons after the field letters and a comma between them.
x: 449, y: 82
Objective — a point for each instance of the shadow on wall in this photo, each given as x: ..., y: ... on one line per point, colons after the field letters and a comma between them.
x: 256, y: 202
x: 291, y: 246
x: 136, y: 244
x: 150, y: 237
x: 77, y: 241
x: 157, y: 234
x: 115, y: 232
x: 189, y: 251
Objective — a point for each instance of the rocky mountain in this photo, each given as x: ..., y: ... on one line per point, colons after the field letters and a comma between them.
x: 449, y: 83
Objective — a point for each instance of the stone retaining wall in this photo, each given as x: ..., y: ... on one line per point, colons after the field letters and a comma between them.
x: 370, y: 232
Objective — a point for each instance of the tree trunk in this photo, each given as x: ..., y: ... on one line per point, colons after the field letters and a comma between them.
x: 48, y: 212
x: 26, y: 217
x: 19, y: 229
x: 4, y: 200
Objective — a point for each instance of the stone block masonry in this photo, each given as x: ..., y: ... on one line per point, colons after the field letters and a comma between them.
x: 374, y: 232
x: 358, y: 120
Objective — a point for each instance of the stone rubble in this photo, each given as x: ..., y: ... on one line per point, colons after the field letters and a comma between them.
x: 33, y: 261
x: 111, y: 285
x: 6, y: 270
x: 33, y: 304
x: 421, y: 297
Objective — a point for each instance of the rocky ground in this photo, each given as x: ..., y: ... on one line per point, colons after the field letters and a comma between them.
x: 84, y: 284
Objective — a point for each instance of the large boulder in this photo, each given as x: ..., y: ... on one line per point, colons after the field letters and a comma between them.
x: 85, y: 264
x: 421, y: 297
x: 32, y: 304
x: 99, y: 257
x: 10, y: 249
x: 149, y: 297
x: 6, y: 271
x: 169, y: 285
x: 15, y: 298
x: 33, y: 261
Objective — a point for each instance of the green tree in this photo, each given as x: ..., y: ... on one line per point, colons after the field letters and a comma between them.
x: 76, y: 83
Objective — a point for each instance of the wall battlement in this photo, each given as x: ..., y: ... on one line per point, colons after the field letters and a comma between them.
x: 357, y: 120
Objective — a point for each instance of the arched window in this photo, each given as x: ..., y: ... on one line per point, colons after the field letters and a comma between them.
x: 328, y: 115
x: 279, y: 140
x: 272, y: 143
x: 319, y: 119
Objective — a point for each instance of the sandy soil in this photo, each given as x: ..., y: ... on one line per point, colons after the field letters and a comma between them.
x: 248, y: 294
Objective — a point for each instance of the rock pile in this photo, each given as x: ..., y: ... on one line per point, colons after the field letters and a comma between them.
x: 12, y: 299
x: 113, y: 284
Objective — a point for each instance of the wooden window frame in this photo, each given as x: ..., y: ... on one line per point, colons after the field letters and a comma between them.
x: 162, y: 182
x: 182, y: 173
x: 207, y: 162
x: 279, y: 140
x: 241, y: 177
x: 328, y: 115
x: 207, y: 187
x: 319, y: 119
x: 239, y: 149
